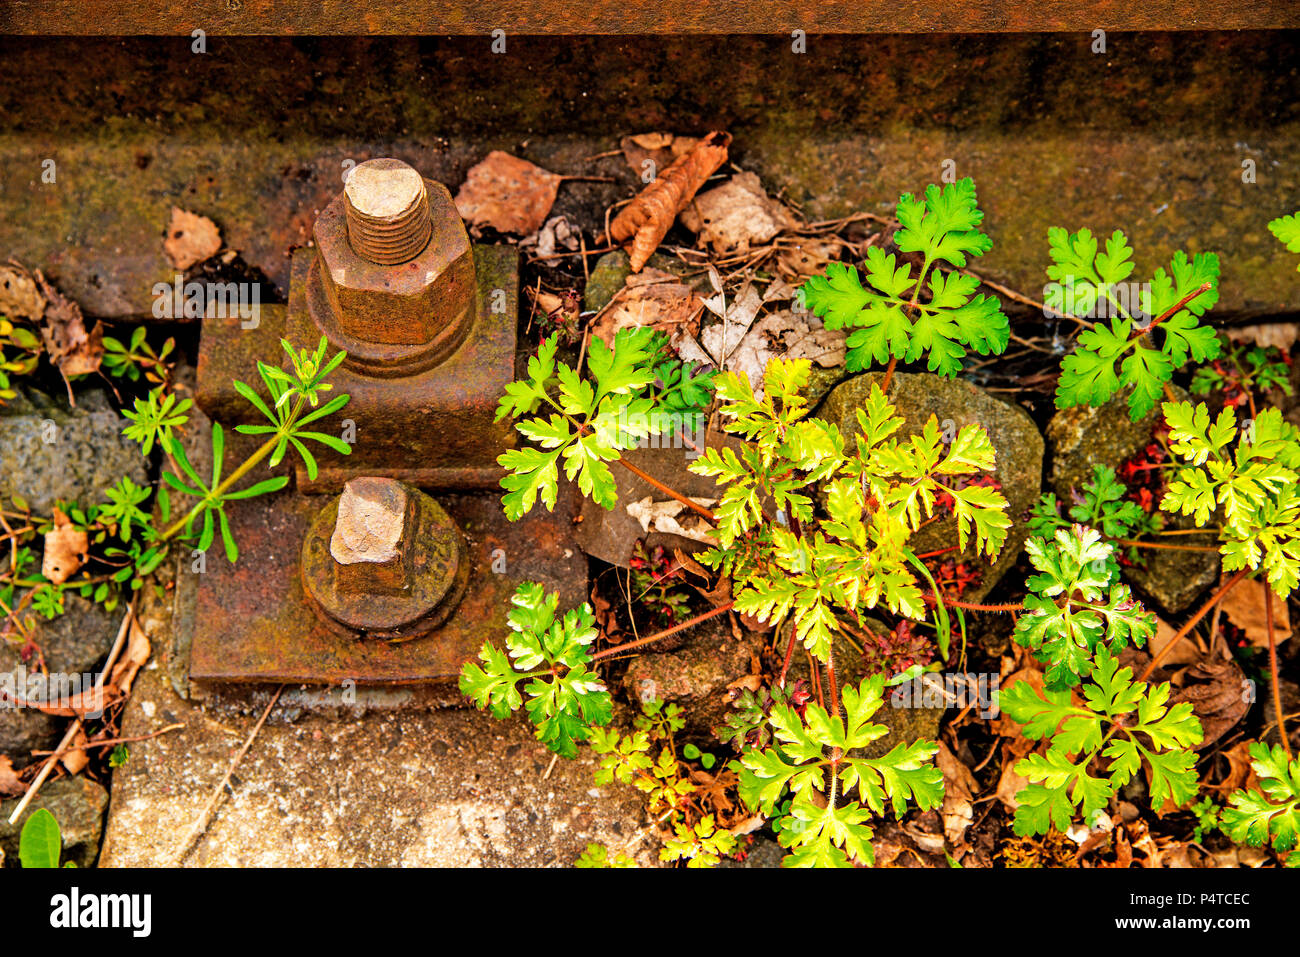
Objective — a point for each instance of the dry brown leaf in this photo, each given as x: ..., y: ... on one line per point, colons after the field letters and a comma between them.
x: 65, y: 549
x: 73, y: 350
x: 959, y: 787
x: 662, y: 517
x: 648, y: 218
x: 75, y: 759
x: 1188, y: 651
x: 191, y: 238
x: 20, y: 297
x: 1219, y: 694
x: 736, y: 215
x: 1239, y: 768
x: 1244, y: 606
x: 1279, y: 334
x: 135, y: 657
x: 507, y: 193
x: 1009, y: 782
x: 806, y: 256
x: 747, y: 683
x: 652, y: 298
x: 9, y: 783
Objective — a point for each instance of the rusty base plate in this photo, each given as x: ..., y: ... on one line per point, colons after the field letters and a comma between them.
x: 434, y: 429
x: 250, y: 622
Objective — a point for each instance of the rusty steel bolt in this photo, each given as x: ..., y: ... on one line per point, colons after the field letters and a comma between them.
x: 371, y: 544
x: 393, y: 283
x: 387, y: 210
x: 383, y: 560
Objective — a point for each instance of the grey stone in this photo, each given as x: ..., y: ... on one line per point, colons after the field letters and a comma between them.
x: 956, y: 403
x: 611, y: 272
x: 74, y: 643
x: 696, y: 677
x: 24, y: 730
x: 50, y: 452
x: 607, y: 278
x: 77, y: 804
x: 1084, y: 436
x: 905, y: 724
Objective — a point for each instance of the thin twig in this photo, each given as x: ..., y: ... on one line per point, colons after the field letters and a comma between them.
x: 113, y: 741
x: 678, y: 496
x: 629, y: 645
x: 1272, y: 667
x: 201, y: 822
x: 1191, y: 622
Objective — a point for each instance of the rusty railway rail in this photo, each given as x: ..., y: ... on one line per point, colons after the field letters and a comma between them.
x: 621, y: 17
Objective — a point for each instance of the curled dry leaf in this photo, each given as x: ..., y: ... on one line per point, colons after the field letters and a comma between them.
x: 65, y: 549
x: 20, y: 296
x: 1219, y: 693
x: 135, y: 657
x: 648, y: 218
x: 1011, y: 783
x: 1239, y: 769
x: 736, y: 215
x: 191, y: 238
x: 72, y: 350
x: 559, y: 234
x: 75, y: 759
x: 959, y: 787
x: 663, y: 517
x: 507, y: 193
x: 651, y: 298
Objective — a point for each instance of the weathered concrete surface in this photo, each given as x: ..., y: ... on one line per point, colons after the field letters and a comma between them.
x: 446, y: 788
x: 1150, y: 135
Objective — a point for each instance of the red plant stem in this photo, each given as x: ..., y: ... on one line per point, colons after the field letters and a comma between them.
x: 830, y: 681
x: 968, y: 606
x: 1172, y: 548
x: 667, y: 491
x: 1192, y: 622
x: 1272, y: 665
x: 889, y: 374
x: 1205, y: 287
x: 629, y: 645
x: 789, y: 656
x: 937, y: 552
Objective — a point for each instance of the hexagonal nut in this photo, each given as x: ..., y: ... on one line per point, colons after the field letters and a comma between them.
x: 408, y: 304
